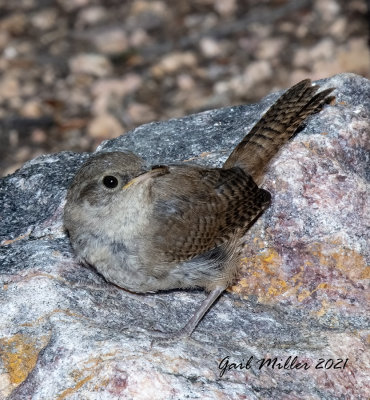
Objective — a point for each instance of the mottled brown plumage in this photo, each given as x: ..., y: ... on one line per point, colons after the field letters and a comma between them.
x: 276, y: 127
x: 179, y: 226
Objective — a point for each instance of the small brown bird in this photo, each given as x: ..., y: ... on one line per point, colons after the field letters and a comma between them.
x: 179, y: 226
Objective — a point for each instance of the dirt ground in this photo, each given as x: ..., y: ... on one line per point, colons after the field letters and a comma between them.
x: 76, y: 72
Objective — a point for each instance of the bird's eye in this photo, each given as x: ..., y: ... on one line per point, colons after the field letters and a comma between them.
x: 110, y: 182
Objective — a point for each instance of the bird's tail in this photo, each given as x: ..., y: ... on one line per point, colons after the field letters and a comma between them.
x: 276, y: 127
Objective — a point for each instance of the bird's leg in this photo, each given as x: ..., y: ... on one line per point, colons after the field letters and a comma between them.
x: 188, y: 329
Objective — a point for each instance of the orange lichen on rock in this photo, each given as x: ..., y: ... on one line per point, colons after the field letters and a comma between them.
x: 334, y: 255
x: 263, y: 277
x: 19, y: 355
x: 89, y: 370
x: 323, y: 279
x: 72, y: 390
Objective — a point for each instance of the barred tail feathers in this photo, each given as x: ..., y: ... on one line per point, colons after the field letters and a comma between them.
x: 276, y: 127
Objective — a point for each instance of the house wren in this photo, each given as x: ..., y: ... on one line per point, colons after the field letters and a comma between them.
x: 179, y: 226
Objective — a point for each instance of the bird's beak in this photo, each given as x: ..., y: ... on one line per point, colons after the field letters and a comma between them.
x: 128, y: 184
x: 156, y: 171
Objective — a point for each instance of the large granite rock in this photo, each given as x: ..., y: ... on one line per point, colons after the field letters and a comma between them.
x: 302, y: 292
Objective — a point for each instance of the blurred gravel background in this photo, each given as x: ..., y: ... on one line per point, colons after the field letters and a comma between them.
x: 76, y: 72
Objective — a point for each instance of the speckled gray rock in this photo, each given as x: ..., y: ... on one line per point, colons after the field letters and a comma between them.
x: 66, y: 333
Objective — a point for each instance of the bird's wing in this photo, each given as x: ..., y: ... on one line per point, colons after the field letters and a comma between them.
x: 197, y: 209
